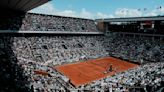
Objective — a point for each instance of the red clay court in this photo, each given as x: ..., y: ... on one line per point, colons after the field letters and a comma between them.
x: 85, y: 72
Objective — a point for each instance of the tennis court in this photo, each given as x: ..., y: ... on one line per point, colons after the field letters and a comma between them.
x: 85, y: 72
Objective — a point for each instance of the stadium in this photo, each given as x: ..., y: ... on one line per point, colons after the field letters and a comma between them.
x: 51, y: 53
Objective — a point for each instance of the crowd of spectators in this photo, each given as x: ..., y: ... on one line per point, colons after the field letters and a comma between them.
x: 147, y: 78
x: 41, y: 22
x: 12, y: 76
x: 42, y: 53
x: 58, y: 49
x: 27, y: 61
x: 136, y: 49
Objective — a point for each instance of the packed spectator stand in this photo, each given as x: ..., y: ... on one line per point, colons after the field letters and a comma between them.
x: 23, y: 54
x: 42, y: 22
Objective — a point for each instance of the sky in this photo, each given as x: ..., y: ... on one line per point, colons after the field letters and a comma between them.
x: 97, y: 9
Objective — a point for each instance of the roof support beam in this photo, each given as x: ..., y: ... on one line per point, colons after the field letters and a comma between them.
x: 153, y: 18
x: 21, y: 5
x: 31, y: 4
